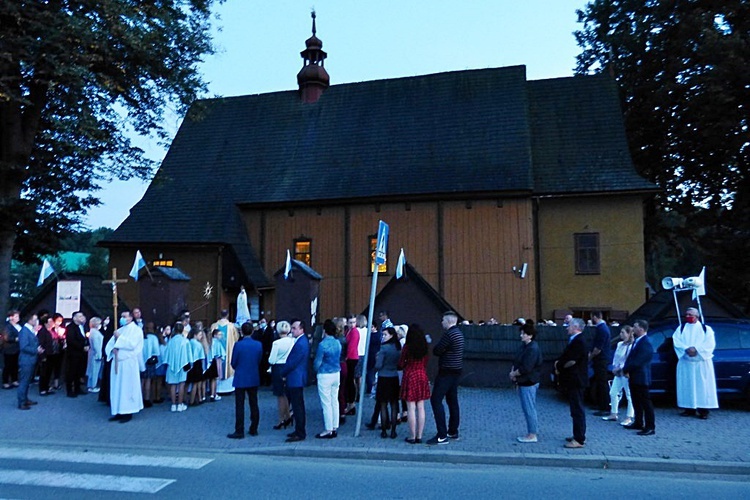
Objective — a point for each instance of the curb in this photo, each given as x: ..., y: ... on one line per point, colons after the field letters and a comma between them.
x: 602, y: 462
x: 513, y: 459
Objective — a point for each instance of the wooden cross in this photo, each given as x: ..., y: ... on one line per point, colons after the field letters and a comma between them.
x: 113, y: 283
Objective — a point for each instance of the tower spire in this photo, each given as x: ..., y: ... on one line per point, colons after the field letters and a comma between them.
x: 313, y: 78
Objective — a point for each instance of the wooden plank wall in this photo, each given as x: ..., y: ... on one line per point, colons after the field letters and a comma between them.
x: 483, y: 241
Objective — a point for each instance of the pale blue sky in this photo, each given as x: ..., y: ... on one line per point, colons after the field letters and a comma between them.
x: 259, y: 44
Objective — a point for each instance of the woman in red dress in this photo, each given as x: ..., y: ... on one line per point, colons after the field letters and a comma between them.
x: 415, y: 386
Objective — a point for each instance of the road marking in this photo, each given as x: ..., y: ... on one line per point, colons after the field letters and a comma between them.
x: 84, y: 481
x: 103, y: 458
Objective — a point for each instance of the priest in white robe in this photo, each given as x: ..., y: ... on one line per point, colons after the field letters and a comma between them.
x: 694, y: 345
x: 125, y: 351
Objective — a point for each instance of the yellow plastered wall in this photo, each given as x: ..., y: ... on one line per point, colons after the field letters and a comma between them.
x: 619, y: 222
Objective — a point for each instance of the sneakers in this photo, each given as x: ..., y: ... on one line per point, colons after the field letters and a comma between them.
x: 181, y: 407
x: 438, y: 440
x: 612, y: 417
x: 217, y: 398
x: 453, y: 437
x: 174, y: 409
x: 627, y: 421
x: 526, y: 439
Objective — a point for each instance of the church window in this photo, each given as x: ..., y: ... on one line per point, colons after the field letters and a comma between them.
x: 382, y: 268
x: 303, y: 250
x: 587, y: 253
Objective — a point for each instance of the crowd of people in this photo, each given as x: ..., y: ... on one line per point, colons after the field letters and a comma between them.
x: 137, y: 364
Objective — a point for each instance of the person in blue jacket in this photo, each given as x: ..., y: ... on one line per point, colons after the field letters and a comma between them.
x: 246, y: 358
x: 295, y: 372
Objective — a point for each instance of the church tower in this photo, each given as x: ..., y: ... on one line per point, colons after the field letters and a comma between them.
x: 313, y: 78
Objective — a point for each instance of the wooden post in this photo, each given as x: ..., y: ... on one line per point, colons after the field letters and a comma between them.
x: 113, y: 283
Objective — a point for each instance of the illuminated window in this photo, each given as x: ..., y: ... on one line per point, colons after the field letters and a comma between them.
x: 382, y: 268
x: 303, y: 250
x: 587, y: 253
x: 163, y: 263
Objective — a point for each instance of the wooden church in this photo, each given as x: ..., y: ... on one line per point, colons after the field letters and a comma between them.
x: 509, y: 197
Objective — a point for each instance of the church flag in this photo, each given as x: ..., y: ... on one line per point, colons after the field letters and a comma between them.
x: 138, y: 264
x: 45, y: 272
x: 288, y: 265
x: 400, y: 265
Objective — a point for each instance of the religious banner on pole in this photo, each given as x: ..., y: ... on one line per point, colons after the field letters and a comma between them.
x: 68, y: 298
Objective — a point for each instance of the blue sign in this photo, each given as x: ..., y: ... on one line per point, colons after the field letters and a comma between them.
x: 381, y: 248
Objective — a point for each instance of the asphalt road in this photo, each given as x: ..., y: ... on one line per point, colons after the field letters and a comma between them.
x: 65, y: 472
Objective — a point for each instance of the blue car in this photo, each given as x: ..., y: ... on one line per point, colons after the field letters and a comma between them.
x: 731, y: 357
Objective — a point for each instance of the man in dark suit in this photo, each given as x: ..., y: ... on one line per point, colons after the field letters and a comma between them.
x: 76, y: 354
x: 28, y: 355
x: 638, y: 370
x: 572, y: 370
x: 295, y: 372
x: 246, y: 358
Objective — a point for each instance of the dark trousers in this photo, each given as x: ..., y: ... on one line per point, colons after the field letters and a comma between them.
x: 297, y: 400
x: 26, y: 373
x: 600, y: 384
x: 446, y: 386
x: 577, y: 413
x: 239, y: 409
x: 351, y: 387
x: 45, y: 375
x: 10, y: 372
x: 644, y: 408
x: 74, y: 370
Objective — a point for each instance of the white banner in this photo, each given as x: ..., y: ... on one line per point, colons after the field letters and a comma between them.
x: 68, y: 298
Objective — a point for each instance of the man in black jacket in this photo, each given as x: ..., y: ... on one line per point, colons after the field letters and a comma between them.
x: 572, y: 370
x: 76, y: 353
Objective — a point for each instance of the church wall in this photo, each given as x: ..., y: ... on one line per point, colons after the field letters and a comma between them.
x: 621, y: 282
x: 325, y: 228
x: 411, y: 227
x: 483, y: 240
x: 201, y: 263
x: 482, y: 244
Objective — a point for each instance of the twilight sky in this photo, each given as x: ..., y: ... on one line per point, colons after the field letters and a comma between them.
x: 259, y: 42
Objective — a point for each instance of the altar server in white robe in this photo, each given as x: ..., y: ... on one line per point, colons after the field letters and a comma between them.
x: 125, y: 351
x: 696, y: 382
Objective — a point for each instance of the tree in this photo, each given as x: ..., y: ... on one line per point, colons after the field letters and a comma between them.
x: 74, y: 78
x: 681, y: 66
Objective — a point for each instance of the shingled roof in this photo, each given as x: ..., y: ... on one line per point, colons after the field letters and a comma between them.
x: 477, y: 132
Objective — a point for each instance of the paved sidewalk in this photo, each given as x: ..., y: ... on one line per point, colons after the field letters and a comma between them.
x: 490, y: 421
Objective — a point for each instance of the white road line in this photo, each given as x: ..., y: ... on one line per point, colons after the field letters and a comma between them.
x: 84, y: 481
x: 103, y: 458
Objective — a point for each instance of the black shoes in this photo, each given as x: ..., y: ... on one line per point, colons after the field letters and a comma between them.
x: 633, y: 427
x: 126, y: 418
x: 646, y: 432
x: 413, y: 440
x: 236, y: 435
x: 294, y: 438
